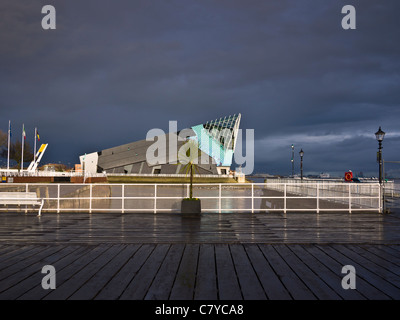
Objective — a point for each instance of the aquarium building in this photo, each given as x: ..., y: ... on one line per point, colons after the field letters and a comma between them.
x: 216, y: 142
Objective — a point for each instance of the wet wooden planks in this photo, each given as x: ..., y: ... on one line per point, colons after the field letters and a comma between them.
x: 200, y: 271
x: 77, y: 228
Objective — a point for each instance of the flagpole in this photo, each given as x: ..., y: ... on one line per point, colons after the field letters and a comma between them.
x: 8, y: 147
x: 34, y: 151
x: 22, y: 154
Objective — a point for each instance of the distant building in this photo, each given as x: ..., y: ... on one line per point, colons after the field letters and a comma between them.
x: 216, y: 142
x: 54, y: 167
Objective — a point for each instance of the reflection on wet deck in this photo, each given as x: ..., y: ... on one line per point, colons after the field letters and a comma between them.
x: 207, y: 228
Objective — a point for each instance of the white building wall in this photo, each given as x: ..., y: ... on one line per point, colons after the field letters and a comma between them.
x: 89, y: 162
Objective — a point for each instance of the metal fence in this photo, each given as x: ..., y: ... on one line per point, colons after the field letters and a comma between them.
x: 224, y: 197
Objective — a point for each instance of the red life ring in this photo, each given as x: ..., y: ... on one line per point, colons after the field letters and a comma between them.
x: 348, y: 176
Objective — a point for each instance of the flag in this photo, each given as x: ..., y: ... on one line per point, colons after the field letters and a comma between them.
x: 23, y: 132
x: 37, y: 134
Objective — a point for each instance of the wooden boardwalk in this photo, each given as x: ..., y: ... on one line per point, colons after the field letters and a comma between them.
x: 217, y: 257
x: 200, y: 271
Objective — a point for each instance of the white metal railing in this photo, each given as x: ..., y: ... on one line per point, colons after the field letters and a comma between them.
x: 167, y: 175
x: 223, y: 197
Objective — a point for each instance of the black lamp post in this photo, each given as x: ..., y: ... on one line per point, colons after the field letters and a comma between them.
x: 292, y: 160
x: 379, y: 136
x: 301, y: 153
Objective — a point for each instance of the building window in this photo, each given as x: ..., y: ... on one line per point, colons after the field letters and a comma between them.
x: 157, y: 171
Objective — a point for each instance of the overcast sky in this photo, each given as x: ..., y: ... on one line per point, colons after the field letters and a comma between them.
x: 113, y: 70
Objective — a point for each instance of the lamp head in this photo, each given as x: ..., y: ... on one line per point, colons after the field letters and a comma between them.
x: 379, y: 135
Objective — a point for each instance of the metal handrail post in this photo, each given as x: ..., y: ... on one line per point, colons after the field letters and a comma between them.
x: 90, y: 197
x: 284, y: 198
x: 155, y: 198
x: 58, y: 198
x: 252, y: 198
x: 122, y: 198
x: 219, y: 199
x: 349, y: 198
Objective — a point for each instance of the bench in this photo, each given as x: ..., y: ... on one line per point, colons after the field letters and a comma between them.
x: 21, y: 198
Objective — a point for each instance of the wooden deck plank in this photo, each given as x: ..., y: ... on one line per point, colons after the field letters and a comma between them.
x: 312, y: 280
x: 385, y: 252
x: 161, y: 287
x: 382, y: 279
x: 31, y: 277
x: 82, y: 274
x: 273, y: 287
x: 115, y: 258
x: 363, y: 285
x: 322, y: 253
x: 184, y: 284
x: 16, y: 256
x: 206, y: 283
x: 228, y: 285
x: 211, y: 228
x: 37, y: 292
x: 18, y: 251
x: 236, y: 256
x: 23, y: 267
x: 6, y: 249
x: 138, y: 287
x: 381, y: 260
x: 115, y: 287
x: 270, y: 266
x: 296, y: 288
x: 396, y: 247
x: 64, y: 275
x: 248, y: 280
x: 332, y: 279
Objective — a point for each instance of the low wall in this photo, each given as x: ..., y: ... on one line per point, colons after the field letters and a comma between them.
x: 18, y: 179
x: 80, y: 179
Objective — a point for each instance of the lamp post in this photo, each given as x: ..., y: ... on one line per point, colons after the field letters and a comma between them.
x: 301, y: 153
x: 292, y: 160
x: 379, y: 137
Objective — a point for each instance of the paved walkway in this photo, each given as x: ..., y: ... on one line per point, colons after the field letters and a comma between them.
x: 217, y: 256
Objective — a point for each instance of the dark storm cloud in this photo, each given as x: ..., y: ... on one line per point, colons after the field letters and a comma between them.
x: 112, y: 70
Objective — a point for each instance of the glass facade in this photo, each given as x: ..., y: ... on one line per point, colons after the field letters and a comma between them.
x: 217, y: 138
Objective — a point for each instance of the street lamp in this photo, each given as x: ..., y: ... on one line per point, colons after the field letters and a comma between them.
x: 292, y: 160
x: 301, y: 153
x: 379, y: 137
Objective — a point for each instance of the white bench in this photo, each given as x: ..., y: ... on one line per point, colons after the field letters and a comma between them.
x: 21, y: 198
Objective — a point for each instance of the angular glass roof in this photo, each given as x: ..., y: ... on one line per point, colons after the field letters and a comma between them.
x: 217, y: 138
